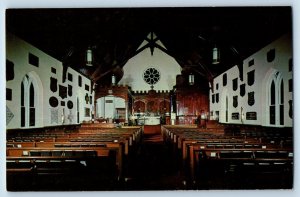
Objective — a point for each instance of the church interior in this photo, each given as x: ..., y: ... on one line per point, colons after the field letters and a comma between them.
x: 139, y: 99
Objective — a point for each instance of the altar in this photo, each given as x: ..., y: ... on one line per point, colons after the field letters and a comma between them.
x: 146, y: 119
x: 152, y: 120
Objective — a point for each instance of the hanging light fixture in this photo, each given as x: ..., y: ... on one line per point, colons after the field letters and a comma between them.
x: 89, y: 57
x: 216, y: 55
x: 113, y: 79
x: 191, y: 79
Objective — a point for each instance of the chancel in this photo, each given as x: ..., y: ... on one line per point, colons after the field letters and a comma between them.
x: 124, y: 99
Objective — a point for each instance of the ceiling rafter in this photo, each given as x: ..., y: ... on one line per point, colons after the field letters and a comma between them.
x: 118, y: 32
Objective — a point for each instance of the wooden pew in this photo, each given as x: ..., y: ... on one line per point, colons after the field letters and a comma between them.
x: 113, y: 139
x: 237, y: 156
x: 69, y: 164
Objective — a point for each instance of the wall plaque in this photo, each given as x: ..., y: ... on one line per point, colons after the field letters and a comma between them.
x: 54, y: 116
x: 235, y: 116
x: 63, y: 91
x: 235, y: 101
x: 9, y: 115
x: 251, y: 99
x: 251, y: 116
x: 53, y: 84
x: 242, y: 90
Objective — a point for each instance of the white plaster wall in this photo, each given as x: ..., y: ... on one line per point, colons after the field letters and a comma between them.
x: 17, y: 52
x: 263, y: 68
x: 108, y: 110
x: 100, y: 107
x: 135, y: 67
x: 119, y: 102
x: 283, y: 51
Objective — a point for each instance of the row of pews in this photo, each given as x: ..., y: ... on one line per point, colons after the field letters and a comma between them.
x: 250, y: 160
x: 92, y: 156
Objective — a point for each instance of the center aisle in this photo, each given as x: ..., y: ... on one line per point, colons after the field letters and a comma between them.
x: 153, y: 168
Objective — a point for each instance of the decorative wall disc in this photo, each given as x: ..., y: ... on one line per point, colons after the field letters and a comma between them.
x: 70, y: 104
x: 53, y: 101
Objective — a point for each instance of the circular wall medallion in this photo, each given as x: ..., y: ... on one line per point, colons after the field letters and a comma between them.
x: 53, y: 101
x: 151, y: 76
x: 70, y: 104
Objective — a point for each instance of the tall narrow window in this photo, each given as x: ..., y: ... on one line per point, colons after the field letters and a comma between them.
x: 22, y: 94
x: 272, y: 106
x: 273, y: 93
x: 32, y: 107
x: 77, y: 110
x: 29, y: 93
x: 31, y: 96
x: 276, y: 100
x: 282, y: 92
x: 22, y: 106
x: 226, y: 109
x: 281, y: 103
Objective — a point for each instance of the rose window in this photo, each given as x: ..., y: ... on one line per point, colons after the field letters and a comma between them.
x: 151, y: 76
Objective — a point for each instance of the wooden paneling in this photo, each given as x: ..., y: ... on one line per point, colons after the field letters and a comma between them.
x: 152, y: 102
x: 191, y: 103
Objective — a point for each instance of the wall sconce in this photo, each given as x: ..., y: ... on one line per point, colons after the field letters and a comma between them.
x: 216, y: 56
x: 89, y: 57
x: 191, y: 79
x: 113, y: 80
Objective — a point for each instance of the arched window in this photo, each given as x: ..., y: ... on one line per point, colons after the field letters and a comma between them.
x: 28, y: 101
x: 276, y: 100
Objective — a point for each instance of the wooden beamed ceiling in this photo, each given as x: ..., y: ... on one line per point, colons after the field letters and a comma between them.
x: 114, y: 34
